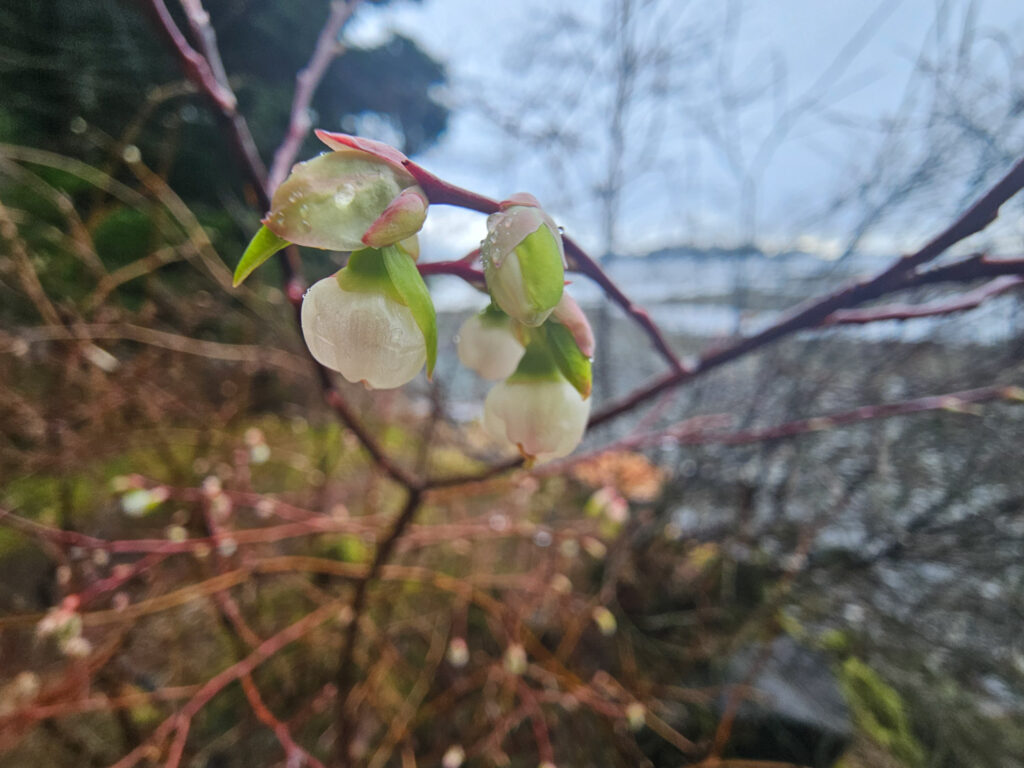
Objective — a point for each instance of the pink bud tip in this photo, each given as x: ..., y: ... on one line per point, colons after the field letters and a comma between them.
x: 376, y: 148
x: 569, y: 314
x: 401, y: 219
x: 519, y: 198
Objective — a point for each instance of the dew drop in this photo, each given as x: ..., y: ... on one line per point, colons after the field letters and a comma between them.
x: 344, y: 196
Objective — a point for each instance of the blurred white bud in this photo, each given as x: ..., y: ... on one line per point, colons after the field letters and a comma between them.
x: 636, y: 715
x: 605, y: 620
x: 453, y: 757
x: 487, y: 344
x: 458, y: 652
x: 515, y: 659
x: 366, y: 337
x: 76, y: 647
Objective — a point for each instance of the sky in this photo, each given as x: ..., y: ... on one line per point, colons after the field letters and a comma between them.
x: 772, y: 121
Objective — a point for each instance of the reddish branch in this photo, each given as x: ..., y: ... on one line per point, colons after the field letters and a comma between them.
x: 180, y: 722
x: 345, y: 672
x: 962, y: 303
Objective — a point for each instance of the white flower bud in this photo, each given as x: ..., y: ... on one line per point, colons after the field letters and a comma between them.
x: 486, y: 344
x: 545, y: 419
x: 366, y: 337
x: 453, y: 757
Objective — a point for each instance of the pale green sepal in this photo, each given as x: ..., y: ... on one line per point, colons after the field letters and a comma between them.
x: 365, y: 272
x: 263, y: 245
x: 537, y: 363
x: 408, y: 282
x: 540, y: 261
x: 573, y: 364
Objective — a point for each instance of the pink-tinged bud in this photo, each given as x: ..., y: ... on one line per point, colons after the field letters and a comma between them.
x: 569, y: 314
x: 544, y: 419
x: 523, y: 258
x: 334, y: 200
x: 403, y: 218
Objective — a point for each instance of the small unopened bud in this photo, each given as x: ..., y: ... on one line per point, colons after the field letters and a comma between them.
x: 458, y: 652
x: 605, y: 620
x: 515, y: 660
x: 595, y: 548
x: 453, y: 757
x: 335, y: 200
x: 76, y: 647
x: 523, y: 260
x: 636, y: 715
x: 142, y: 500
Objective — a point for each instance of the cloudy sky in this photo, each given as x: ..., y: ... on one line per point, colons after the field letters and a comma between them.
x: 783, y: 121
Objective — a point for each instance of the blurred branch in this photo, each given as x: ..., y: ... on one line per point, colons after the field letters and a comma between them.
x: 344, y: 673
x: 975, y: 219
x: 214, y: 350
x: 970, y: 300
x: 328, y: 47
x: 200, y: 71
x: 180, y: 722
x: 694, y: 432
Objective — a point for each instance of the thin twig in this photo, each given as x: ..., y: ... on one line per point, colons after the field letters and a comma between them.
x: 328, y: 47
x: 962, y: 303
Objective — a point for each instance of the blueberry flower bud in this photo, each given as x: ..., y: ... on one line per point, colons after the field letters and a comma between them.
x: 537, y: 409
x: 523, y: 260
x: 345, y: 200
x: 366, y: 336
x: 487, y: 344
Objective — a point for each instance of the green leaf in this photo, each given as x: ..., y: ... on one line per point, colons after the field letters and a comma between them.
x: 408, y: 281
x: 540, y: 262
x: 573, y: 364
x: 263, y: 245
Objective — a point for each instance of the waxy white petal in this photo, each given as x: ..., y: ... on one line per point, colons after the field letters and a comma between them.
x: 544, y: 419
x: 489, y: 347
x: 366, y: 337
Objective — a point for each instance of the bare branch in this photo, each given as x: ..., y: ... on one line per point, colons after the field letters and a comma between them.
x: 970, y: 300
x: 306, y: 82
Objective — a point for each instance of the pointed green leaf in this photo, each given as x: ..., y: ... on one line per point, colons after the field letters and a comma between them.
x: 573, y: 364
x: 263, y: 245
x: 540, y: 262
x: 410, y: 286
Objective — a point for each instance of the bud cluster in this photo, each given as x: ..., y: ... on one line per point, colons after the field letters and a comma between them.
x: 374, y: 321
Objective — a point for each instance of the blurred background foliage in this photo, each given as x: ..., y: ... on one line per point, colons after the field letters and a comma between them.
x: 670, y: 578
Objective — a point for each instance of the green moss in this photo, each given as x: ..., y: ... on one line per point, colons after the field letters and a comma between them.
x: 879, y: 712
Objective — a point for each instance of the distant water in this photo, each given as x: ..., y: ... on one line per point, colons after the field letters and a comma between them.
x: 702, y: 295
